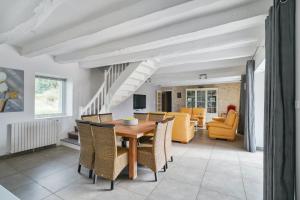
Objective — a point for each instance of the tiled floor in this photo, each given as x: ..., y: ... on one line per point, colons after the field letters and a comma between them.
x: 203, y: 169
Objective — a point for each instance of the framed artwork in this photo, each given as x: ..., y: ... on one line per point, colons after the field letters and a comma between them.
x: 178, y: 95
x: 11, y: 90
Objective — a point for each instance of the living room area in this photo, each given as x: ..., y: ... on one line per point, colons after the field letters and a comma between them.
x: 149, y: 100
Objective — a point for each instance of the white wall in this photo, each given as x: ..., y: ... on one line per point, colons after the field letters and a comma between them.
x: 259, y: 91
x: 298, y: 95
x: 126, y: 108
x: 79, y: 79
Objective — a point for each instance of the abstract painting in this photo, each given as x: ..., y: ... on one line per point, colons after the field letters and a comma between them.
x: 11, y: 90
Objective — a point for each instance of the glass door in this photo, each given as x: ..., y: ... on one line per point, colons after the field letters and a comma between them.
x: 201, y: 98
x: 211, y: 104
x: 190, y: 98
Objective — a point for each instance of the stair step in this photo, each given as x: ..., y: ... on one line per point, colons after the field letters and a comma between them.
x: 73, y: 135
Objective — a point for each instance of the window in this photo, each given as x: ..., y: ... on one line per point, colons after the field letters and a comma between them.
x: 49, y: 96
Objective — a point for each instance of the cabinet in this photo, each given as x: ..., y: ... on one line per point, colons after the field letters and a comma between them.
x: 205, y: 98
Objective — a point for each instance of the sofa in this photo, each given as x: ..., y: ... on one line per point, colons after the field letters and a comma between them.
x: 224, y: 129
x: 183, y: 128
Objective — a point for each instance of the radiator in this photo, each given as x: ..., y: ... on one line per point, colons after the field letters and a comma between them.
x: 33, y: 134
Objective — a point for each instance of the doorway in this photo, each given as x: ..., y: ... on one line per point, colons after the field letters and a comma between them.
x: 167, y: 101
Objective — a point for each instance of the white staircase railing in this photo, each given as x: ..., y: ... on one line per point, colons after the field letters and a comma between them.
x: 99, y: 100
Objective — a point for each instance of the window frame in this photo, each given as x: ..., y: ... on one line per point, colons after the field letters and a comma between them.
x: 63, y: 93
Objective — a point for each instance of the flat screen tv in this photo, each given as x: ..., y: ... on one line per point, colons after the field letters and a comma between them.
x: 139, y: 101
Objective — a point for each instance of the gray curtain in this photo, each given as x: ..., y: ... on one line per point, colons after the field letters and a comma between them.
x: 279, y: 145
x: 250, y: 140
x: 241, y: 127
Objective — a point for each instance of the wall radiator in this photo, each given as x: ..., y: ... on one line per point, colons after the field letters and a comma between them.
x: 33, y: 134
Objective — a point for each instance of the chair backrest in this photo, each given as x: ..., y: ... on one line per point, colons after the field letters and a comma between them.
x: 157, y: 116
x: 231, y: 118
x: 168, y: 137
x: 199, y: 111
x: 186, y: 110
x: 141, y: 116
x: 105, y: 149
x: 87, y: 148
x: 90, y: 118
x: 159, y: 144
x: 106, y: 117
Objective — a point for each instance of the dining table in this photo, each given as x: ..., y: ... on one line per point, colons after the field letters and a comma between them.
x: 133, y: 133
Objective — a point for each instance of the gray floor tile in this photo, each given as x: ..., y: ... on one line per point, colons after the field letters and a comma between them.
x: 187, y: 175
x: 15, y: 181
x: 205, y: 194
x: 6, y: 169
x: 118, y: 194
x: 223, y: 183
x: 31, y: 191
x: 52, y: 197
x: 224, y: 167
x: 174, y: 190
x: 253, y: 190
x: 59, y: 180
x: 252, y: 173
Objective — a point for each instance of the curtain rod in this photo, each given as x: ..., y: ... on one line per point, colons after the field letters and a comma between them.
x: 256, y: 50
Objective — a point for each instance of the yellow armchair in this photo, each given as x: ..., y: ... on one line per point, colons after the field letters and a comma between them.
x: 183, y: 129
x: 186, y: 110
x: 226, y: 129
x: 199, y: 115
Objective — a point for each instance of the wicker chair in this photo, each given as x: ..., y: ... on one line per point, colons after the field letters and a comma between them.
x: 153, y: 156
x: 141, y: 116
x: 157, y: 116
x: 110, y: 160
x: 91, y: 118
x: 87, y: 148
x: 168, y: 140
x: 153, y: 116
x: 106, y: 117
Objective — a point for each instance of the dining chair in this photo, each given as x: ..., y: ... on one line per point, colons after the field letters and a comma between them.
x: 153, y: 156
x: 91, y: 118
x: 87, y: 148
x: 110, y: 159
x: 105, y: 117
x: 141, y: 116
x: 156, y: 116
x: 153, y: 116
x: 168, y: 140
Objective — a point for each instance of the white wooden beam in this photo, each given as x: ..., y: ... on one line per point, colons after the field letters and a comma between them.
x: 225, y: 41
x: 247, y: 15
x: 239, y: 52
x: 219, y: 80
x: 197, y: 66
x: 40, y: 14
x: 138, y: 17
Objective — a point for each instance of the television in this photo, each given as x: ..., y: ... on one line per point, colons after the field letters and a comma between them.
x: 139, y: 101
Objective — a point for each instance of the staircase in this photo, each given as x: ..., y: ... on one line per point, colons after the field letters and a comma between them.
x: 120, y: 82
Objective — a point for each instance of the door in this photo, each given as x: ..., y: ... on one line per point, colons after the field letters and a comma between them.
x: 167, y: 101
x: 211, y: 107
x: 201, y: 98
x: 190, y: 98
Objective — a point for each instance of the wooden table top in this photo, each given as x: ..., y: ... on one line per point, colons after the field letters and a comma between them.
x: 133, y: 131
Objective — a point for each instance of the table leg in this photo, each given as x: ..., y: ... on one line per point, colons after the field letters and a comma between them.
x: 132, y: 158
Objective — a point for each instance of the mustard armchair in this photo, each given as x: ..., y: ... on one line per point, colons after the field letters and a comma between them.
x: 199, y: 115
x: 183, y: 130
x: 186, y: 110
x: 226, y: 129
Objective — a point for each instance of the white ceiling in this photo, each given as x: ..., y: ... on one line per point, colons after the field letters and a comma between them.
x: 183, y: 36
